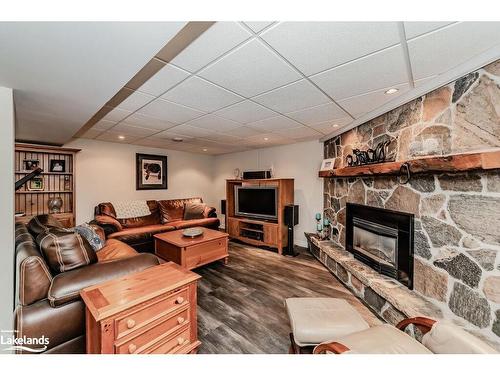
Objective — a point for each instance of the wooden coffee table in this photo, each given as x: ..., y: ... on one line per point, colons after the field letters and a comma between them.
x: 194, y: 252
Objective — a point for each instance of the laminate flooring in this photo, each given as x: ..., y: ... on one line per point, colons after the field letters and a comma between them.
x: 241, y: 304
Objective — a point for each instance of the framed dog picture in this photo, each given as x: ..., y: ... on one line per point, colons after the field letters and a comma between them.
x: 327, y: 164
x: 151, y: 172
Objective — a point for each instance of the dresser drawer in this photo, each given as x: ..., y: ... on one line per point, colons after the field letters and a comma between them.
x: 150, y: 311
x: 204, y: 253
x: 171, y: 344
x: 143, y: 339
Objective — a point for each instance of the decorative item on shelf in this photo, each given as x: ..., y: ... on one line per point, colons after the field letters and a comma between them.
x: 35, y: 184
x: 370, y: 156
x: 31, y: 164
x: 237, y: 173
x: 55, y: 205
x: 327, y: 164
x: 67, y: 183
x: 20, y: 214
x: 58, y: 166
x: 151, y: 172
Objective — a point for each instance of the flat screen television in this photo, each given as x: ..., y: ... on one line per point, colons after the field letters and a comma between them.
x: 259, y: 202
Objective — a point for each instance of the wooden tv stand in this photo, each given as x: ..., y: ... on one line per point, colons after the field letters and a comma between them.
x: 272, y: 233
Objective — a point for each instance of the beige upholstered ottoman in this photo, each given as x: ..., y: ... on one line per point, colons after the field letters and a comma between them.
x: 315, y: 320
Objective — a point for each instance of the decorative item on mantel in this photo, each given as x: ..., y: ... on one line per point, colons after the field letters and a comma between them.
x: 369, y: 156
x: 322, y: 227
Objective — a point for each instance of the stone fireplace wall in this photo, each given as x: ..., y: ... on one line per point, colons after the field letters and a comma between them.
x: 457, y: 216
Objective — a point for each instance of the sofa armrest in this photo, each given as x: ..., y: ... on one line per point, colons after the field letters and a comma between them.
x: 210, y: 212
x: 109, y: 224
x: 66, y: 286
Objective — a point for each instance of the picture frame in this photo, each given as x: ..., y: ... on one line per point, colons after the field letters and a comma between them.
x: 31, y: 164
x: 151, y: 172
x: 327, y: 164
x: 35, y: 184
x: 57, y: 166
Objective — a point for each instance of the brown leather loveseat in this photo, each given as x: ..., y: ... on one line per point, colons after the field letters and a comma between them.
x: 48, y: 303
x: 166, y: 215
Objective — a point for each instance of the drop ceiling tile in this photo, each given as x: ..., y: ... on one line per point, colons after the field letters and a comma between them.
x: 171, y: 134
x: 257, y: 26
x: 328, y: 127
x: 382, y: 69
x: 104, y: 125
x: 451, y: 46
x: 250, y: 70
x: 317, y: 114
x: 242, y: 132
x: 192, y: 131
x: 414, y: 29
x: 266, y: 139
x: 274, y: 123
x: 153, y: 142
x: 111, y: 136
x: 116, y: 115
x: 245, y: 112
x: 148, y: 122
x: 135, y: 101
x: 292, y: 97
x: 168, y: 111
x: 221, y: 137
x: 214, y: 123
x: 200, y: 94
x: 315, y: 46
x: 181, y: 146
x: 164, y: 80
x: 214, y: 42
x: 132, y: 130
x: 361, y: 104
x: 91, y: 133
x: 420, y: 82
x: 300, y: 132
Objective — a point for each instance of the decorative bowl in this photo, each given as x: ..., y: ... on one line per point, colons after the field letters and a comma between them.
x: 192, y: 232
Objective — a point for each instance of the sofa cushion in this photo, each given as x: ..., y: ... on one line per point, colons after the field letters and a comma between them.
x: 152, y: 219
x: 41, y: 223
x: 212, y: 222
x: 173, y: 209
x: 195, y: 210
x: 115, y: 249
x: 65, y: 249
x: 134, y: 234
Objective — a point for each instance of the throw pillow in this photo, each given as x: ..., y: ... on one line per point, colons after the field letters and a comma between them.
x: 90, y: 235
x: 194, y: 211
x: 41, y: 223
x: 65, y: 249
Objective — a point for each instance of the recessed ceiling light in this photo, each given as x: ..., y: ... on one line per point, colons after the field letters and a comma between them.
x: 266, y: 139
x: 391, y: 91
x: 335, y: 125
x: 205, y: 149
x: 122, y: 137
x: 177, y: 139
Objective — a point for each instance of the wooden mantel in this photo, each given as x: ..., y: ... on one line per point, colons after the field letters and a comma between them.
x: 435, y: 164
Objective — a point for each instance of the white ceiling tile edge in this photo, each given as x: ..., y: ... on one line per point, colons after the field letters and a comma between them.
x: 449, y: 76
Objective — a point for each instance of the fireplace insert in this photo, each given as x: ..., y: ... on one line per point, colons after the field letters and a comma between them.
x: 382, y: 239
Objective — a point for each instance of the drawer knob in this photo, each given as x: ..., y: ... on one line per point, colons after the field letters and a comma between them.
x: 179, y: 300
x: 180, y: 320
x: 132, y: 348
x: 180, y: 340
x: 130, y: 323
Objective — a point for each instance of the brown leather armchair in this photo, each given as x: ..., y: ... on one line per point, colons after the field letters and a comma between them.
x: 50, y: 305
x: 166, y: 215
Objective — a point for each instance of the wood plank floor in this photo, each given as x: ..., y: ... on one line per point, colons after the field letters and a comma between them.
x: 240, y: 305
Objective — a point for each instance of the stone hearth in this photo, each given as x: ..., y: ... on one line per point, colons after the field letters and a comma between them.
x: 457, y: 216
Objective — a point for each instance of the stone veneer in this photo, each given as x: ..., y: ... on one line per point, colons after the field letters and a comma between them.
x: 457, y: 216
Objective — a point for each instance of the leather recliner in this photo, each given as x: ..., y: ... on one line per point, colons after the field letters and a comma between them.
x: 166, y: 215
x: 49, y: 304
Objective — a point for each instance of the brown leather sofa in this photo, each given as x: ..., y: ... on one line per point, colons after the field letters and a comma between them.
x: 49, y: 304
x: 166, y: 215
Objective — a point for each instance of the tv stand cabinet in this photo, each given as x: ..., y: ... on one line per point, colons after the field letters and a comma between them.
x: 257, y: 232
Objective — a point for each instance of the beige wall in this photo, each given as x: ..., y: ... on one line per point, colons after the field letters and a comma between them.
x: 300, y: 161
x: 7, y: 205
x: 105, y: 172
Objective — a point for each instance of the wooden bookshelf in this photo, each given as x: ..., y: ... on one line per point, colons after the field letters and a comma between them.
x: 435, y: 164
x: 55, y: 184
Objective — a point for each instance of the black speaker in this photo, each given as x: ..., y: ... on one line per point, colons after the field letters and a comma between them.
x: 256, y: 175
x: 291, y: 215
x: 223, y: 206
x: 291, y: 219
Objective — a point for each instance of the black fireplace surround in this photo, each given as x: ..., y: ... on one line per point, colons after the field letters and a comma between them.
x: 382, y: 239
